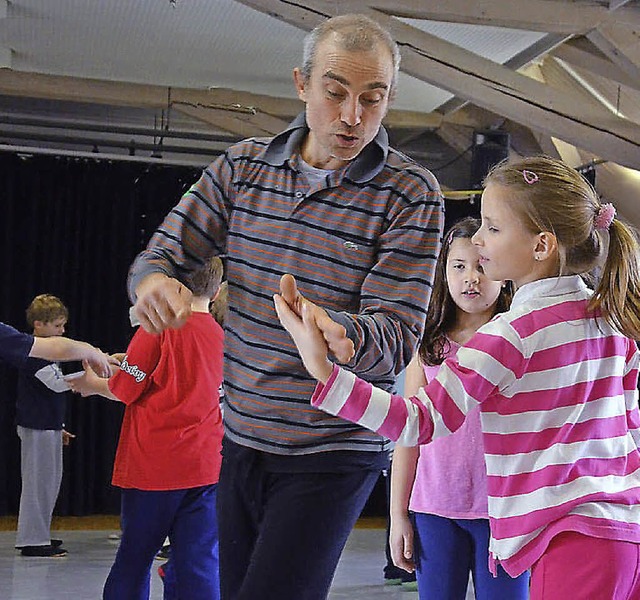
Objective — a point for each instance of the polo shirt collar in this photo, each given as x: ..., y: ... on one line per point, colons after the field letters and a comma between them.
x: 548, y: 287
x: 363, y: 168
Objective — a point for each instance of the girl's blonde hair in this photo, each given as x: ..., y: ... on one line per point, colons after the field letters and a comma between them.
x: 551, y: 196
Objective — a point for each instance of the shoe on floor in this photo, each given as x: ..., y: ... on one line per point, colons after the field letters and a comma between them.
x: 44, y: 551
x: 55, y: 543
x: 396, y: 576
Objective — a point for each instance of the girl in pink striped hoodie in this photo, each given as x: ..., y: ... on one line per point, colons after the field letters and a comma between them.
x: 439, y: 512
x: 555, y: 379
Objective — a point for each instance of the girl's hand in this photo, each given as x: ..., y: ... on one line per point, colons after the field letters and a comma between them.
x: 307, y: 336
x: 334, y: 334
x: 401, y: 542
x: 67, y: 437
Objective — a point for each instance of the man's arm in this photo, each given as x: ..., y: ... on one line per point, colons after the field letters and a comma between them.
x: 63, y: 349
x: 379, y: 340
x: 191, y: 233
x: 395, y: 293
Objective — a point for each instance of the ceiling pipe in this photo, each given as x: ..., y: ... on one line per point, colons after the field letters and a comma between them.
x: 27, y: 151
x: 129, y: 145
x: 28, y: 121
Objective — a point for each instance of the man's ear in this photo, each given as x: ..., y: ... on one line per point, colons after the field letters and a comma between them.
x: 546, y: 246
x: 300, y: 83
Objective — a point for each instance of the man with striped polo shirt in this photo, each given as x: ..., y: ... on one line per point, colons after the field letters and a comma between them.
x: 359, y: 225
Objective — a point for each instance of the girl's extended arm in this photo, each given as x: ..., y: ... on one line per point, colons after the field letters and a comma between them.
x: 487, y: 363
x: 403, y: 472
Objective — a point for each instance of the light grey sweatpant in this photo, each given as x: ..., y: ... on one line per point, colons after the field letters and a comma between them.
x: 41, y: 467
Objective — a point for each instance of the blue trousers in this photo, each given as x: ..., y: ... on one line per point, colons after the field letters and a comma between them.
x: 446, y: 550
x: 189, y: 518
x: 282, y: 533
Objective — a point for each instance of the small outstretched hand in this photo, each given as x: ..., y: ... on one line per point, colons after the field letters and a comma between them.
x: 314, y: 332
x: 86, y: 384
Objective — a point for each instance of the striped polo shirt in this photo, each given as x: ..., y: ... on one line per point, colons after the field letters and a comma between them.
x: 559, y: 411
x: 361, y: 242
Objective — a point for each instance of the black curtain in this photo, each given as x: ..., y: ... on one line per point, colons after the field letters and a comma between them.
x: 71, y: 227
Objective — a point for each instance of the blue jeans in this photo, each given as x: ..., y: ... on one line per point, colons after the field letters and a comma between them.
x: 446, y: 550
x: 189, y: 518
x: 282, y: 533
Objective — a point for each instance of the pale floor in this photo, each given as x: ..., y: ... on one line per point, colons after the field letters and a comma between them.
x: 80, y: 575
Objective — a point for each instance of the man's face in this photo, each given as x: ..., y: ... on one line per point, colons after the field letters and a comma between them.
x: 346, y: 97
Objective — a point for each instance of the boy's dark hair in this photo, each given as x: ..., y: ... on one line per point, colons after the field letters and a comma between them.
x: 205, y: 281
x: 46, y: 308
x: 441, y: 313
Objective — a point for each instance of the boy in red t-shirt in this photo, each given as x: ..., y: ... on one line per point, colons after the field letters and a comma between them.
x: 168, y: 457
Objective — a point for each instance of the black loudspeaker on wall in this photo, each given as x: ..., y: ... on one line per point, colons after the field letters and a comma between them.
x: 489, y: 148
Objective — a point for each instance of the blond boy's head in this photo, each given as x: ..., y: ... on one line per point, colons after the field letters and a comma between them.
x: 47, y: 315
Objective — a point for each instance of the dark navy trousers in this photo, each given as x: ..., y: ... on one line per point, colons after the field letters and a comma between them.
x: 282, y: 533
x: 189, y: 518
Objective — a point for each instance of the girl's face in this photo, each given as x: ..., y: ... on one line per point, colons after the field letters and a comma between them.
x: 469, y: 287
x: 507, y: 249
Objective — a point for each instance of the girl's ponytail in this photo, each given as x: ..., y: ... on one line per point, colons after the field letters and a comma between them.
x: 617, y: 296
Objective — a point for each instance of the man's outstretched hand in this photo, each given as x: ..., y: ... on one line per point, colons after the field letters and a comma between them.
x: 162, y: 302
x: 314, y: 332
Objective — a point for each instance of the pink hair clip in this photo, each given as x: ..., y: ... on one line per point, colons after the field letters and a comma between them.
x: 530, y: 177
x: 604, y: 217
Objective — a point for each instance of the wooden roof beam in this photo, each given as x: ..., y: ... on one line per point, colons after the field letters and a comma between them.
x: 489, y: 85
x: 552, y: 16
x: 620, y: 42
x: 581, y: 53
x: 229, y: 109
x: 519, y: 98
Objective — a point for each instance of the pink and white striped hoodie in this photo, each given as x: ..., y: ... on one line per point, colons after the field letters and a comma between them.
x: 557, y: 390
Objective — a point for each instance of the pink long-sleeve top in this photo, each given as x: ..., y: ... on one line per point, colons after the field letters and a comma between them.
x: 557, y: 391
x: 451, y: 477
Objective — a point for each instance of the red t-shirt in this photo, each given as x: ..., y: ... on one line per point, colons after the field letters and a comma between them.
x: 171, y: 434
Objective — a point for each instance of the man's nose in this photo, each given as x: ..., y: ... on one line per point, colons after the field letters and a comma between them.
x: 351, y: 112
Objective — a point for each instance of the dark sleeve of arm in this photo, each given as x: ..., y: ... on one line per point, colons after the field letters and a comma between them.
x: 395, y: 294
x: 194, y: 230
x: 14, y: 345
